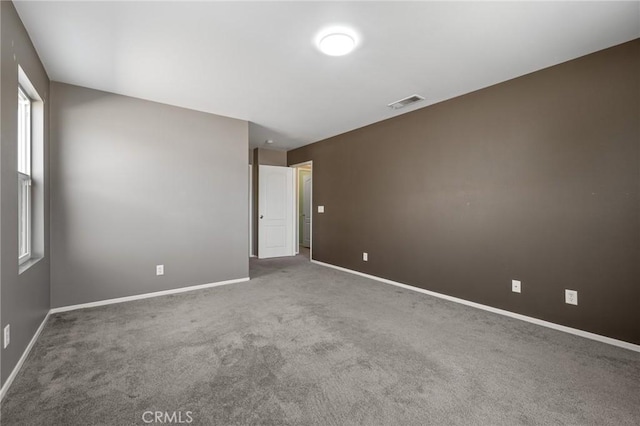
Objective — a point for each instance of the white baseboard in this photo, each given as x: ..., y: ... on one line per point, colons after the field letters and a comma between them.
x: 145, y: 295
x: 577, y: 332
x: 25, y: 354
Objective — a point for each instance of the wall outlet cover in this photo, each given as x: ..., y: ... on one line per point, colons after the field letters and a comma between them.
x: 159, y: 269
x: 365, y: 257
x: 571, y: 297
x: 7, y: 335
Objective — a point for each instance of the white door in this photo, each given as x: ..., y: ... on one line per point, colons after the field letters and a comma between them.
x: 306, y: 210
x: 275, y: 212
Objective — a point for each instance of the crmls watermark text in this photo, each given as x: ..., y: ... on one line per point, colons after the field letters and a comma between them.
x: 167, y: 417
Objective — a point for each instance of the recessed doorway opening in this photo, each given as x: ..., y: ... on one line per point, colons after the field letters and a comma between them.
x: 304, y: 208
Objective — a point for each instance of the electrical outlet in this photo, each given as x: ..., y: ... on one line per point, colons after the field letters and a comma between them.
x: 365, y: 257
x: 516, y: 286
x: 7, y: 335
x: 159, y: 269
x: 571, y: 297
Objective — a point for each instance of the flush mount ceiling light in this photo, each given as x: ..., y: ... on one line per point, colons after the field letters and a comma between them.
x: 336, y: 41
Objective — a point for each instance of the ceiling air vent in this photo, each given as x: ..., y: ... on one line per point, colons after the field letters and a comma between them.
x: 405, y: 101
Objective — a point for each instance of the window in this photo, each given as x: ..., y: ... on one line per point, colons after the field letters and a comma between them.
x: 30, y: 137
x: 24, y: 176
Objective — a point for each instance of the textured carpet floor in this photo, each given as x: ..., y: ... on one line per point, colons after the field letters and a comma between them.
x: 301, y: 344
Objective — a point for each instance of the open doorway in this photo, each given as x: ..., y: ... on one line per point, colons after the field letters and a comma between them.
x: 304, y: 203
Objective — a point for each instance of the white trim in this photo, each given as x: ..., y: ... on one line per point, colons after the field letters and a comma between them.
x: 25, y: 354
x: 266, y: 251
x: 28, y: 87
x: 24, y: 181
x: 250, y: 210
x: 145, y: 296
x: 297, y: 166
x: 296, y: 214
x: 577, y: 332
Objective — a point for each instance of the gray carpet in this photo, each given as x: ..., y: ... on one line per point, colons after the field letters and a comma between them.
x: 301, y: 344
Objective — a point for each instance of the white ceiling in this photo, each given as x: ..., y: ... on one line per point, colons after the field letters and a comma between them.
x: 257, y: 61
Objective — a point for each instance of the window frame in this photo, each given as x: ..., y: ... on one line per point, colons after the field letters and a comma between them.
x: 24, y: 145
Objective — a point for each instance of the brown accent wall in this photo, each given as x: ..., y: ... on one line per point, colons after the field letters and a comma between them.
x: 536, y: 179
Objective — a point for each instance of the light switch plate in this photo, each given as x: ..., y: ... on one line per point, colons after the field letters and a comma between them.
x: 571, y: 297
x: 365, y: 256
x: 159, y: 269
x: 516, y: 286
x: 320, y: 209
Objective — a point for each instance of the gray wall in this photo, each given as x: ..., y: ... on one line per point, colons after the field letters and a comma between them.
x: 135, y: 184
x: 24, y: 298
x: 536, y: 179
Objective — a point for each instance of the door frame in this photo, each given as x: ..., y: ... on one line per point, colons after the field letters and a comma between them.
x: 297, y: 204
x: 251, y: 215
